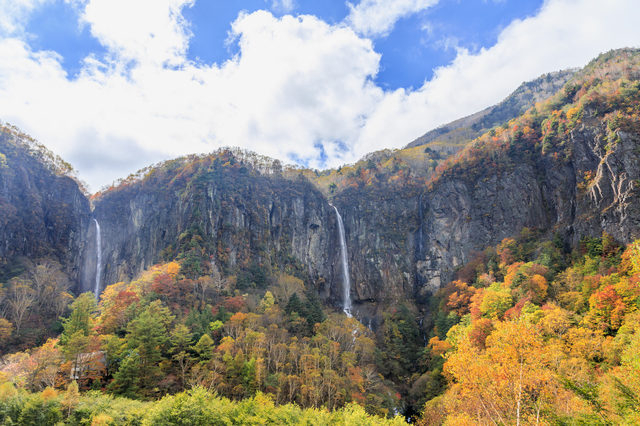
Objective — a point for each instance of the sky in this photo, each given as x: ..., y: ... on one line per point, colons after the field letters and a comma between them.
x: 115, y: 85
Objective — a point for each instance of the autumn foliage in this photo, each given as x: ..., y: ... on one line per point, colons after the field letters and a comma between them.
x: 541, y: 347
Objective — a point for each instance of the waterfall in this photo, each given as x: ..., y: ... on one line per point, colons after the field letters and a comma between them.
x: 96, y: 290
x: 346, y: 282
x: 424, y: 335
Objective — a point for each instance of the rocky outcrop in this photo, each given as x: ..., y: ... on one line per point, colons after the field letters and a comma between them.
x: 239, y: 216
x: 463, y: 216
x: 403, y: 242
x: 609, y: 200
x: 43, y: 212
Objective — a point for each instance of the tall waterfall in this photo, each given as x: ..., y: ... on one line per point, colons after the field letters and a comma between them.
x: 346, y: 282
x: 96, y: 290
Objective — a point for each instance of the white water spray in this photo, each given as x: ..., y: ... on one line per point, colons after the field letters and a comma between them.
x: 346, y: 282
x: 96, y: 290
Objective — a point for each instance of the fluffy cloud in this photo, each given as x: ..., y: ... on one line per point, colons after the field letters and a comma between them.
x: 377, y: 17
x: 298, y: 84
x: 141, y: 30
x: 299, y: 88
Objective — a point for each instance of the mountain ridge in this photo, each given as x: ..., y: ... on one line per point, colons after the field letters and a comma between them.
x: 519, y: 234
x: 465, y: 129
x: 408, y: 242
x: 404, y: 252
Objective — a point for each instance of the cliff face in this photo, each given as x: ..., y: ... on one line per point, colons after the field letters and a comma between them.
x: 43, y: 212
x: 571, y: 169
x: 464, y: 216
x: 236, y: 217
x: 403, y: 243
x: 548, y: 170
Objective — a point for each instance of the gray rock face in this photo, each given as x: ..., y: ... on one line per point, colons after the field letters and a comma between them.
x: 241, y: 218
x: 610, y: 201
x: 43, y: 213
x: 463, y: 217
x: 404, y: 245
x: 403, y: 242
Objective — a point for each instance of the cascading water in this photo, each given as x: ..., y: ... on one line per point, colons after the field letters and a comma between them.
x: 346, y: 282
x: 96, y: 290
x: 424, y: 336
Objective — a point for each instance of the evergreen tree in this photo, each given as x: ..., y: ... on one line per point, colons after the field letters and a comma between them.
x: 294, y: 304
x: 127, y: 380
x: 147, y: 339
x: 81, y: 318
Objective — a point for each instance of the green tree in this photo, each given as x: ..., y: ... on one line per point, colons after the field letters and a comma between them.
x: 147, y: 339
x: 294, y: 304
x: 39, y: 410
x: 127, y: 380
x: 198, y: 321
x: 78, y: 327
x: 81, y: 319
x: 313, y: 311
x: 401, y: 344
x: 204, y: 347
x: 181, y: 338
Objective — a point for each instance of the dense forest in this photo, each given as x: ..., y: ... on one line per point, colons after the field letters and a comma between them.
x: 529, y: 332
x: 220, y: 321
x: 533, y: 334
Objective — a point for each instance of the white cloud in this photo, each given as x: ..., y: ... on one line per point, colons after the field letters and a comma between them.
x: 377, y: 17
x: 284, y: 6
x: 142, y: 30
x: 299, y: 86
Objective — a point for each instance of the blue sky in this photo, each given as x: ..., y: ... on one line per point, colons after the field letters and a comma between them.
x: 113, y: 85
x: 417, y: 44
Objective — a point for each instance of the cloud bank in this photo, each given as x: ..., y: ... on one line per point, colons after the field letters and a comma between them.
x: 299, y: 89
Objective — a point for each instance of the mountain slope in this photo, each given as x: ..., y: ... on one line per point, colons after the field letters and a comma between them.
x: 568, y: 168
x: 219, y: 212
x: 453, y: 136
x: 236, y: 252
x: 43, y: 211
x: 419, y: 158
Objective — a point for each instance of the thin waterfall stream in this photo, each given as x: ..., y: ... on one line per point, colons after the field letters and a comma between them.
x: 346, y: 282
x: 96, y: 290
